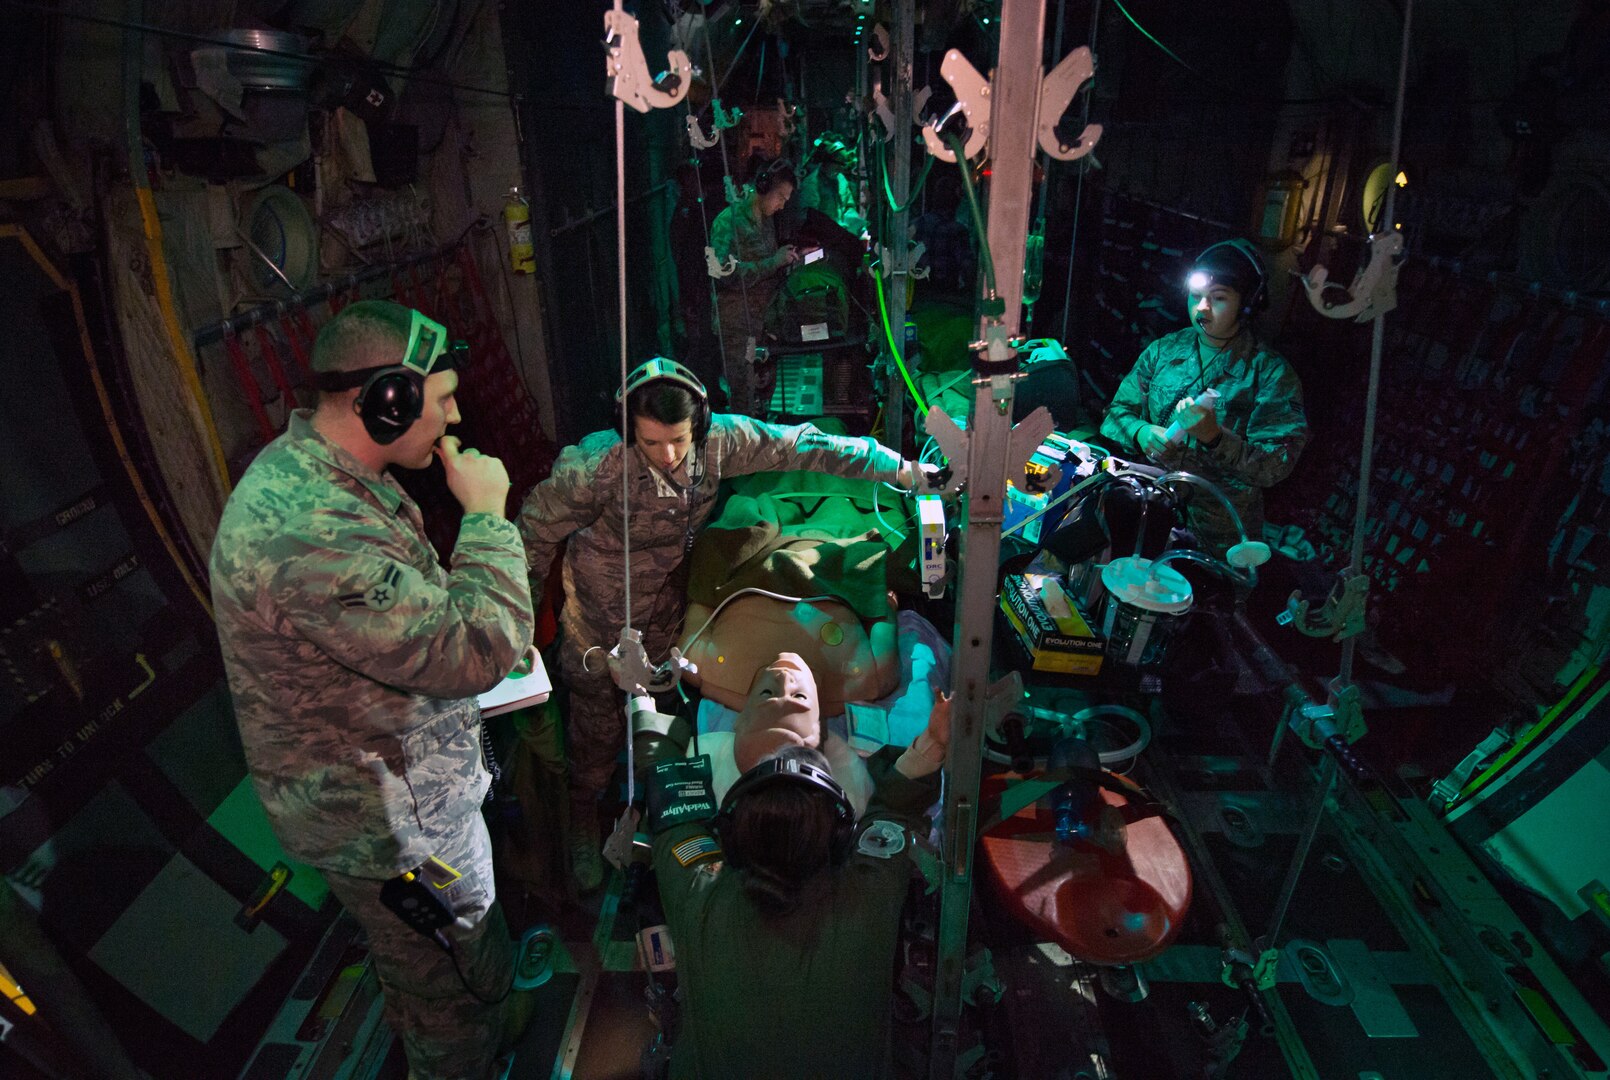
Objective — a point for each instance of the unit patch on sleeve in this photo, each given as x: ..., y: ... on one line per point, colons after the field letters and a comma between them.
x: 378, y: 597
x: 883, y: 839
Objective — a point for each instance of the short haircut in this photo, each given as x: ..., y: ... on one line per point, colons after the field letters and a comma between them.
x: 365, y: 334
x: 767, y: 176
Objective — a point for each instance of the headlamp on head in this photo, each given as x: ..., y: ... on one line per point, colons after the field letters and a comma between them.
x: 1235, y: 264
x: 427, y: 352
x: 428, y: 349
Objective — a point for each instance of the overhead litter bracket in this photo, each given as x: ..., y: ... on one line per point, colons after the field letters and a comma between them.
x: 698, y: 139
x: 1025, y: 438
x: 1057, y: 92
x: 626, y: 70
x: 885, y: 112
x: 1374, y: 290
x: 972, y: 101
x: 877, y: 49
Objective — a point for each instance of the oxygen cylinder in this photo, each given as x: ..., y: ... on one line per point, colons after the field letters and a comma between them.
x: 517, y: 217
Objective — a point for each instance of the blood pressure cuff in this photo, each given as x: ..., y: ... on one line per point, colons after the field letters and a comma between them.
x: 678, y: 792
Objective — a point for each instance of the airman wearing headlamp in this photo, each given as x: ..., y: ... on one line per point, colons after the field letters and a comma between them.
x: 1247, y: 439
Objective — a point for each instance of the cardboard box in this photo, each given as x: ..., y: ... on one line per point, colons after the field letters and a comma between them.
x: 1049, y: 626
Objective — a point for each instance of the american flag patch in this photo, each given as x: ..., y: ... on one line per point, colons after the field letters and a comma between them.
x: 691, y: 850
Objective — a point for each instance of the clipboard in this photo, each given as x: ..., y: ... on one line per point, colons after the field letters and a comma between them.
x: 527, y: 684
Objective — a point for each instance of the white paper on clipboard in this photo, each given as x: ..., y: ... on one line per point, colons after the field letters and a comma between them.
x: 523, y: 687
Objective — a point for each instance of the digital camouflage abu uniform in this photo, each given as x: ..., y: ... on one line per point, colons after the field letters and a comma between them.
x: 581, y: 500
x: 742, y: 298
x: 1260, y: 409
x: 354, y: 659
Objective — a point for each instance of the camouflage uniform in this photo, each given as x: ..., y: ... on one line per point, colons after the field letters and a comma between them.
x: 581, y: 500
x: 826, y: 192
x: 1260, y: 408
x: 354, y: 659
x: 742, y: 299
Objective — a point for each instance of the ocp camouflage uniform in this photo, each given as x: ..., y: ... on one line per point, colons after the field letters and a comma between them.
x: 742, y: 298
x: 581, y: 500
x: 354, y: 659
x: 1260, y: 409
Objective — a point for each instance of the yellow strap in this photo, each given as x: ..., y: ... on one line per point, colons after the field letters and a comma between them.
x: 180, y: 343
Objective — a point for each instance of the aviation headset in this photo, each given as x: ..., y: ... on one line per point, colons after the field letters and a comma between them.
x: 791, y: 770
x: 664, y: 369
x: 829, y: 146
x: 1254, y: 288
x: 392, y: 396
x: 774, y: 172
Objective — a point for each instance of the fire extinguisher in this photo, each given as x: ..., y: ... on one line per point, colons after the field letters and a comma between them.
x: 517, y: 216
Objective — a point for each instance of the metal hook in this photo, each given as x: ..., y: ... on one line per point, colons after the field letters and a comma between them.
x: 1057, y: 92
x: 972, y: 101
x: 1374, y: 288
x: 878, y: 48
x: 626, y: 70
x: 698, y: 138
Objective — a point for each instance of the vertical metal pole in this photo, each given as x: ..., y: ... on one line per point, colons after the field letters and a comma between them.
x: 1079, y: 188
x: 1361, y: 511
x: 894, y: 393
x: 1014, y: 111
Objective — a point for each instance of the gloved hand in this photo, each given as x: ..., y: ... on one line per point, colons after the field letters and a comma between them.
x: 677, y: 792
x: 917, y: 477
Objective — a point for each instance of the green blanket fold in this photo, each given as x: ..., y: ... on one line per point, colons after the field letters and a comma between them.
x: 824, y: 545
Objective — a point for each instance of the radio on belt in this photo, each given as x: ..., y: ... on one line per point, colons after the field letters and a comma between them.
x: 931, y: 543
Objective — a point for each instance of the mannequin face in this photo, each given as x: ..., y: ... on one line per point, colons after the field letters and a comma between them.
x: 783, y: 709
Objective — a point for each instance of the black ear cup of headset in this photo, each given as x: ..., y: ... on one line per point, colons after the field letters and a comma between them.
x: 389, y: 403
x: 661, y: 369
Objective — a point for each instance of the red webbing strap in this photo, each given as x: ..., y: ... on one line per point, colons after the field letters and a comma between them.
x: 271, y: 357
x: 248, y: 384
x: 290, y: 329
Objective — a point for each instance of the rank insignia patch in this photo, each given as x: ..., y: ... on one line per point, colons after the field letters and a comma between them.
x: 378, y: 597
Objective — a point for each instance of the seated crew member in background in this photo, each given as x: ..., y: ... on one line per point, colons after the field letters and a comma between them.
x: 747, y: 232
x: 824, y: 187
x: 677, y: 456
x: 1251, y: 437
x: 786, y: 950
x: 355, y: 659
